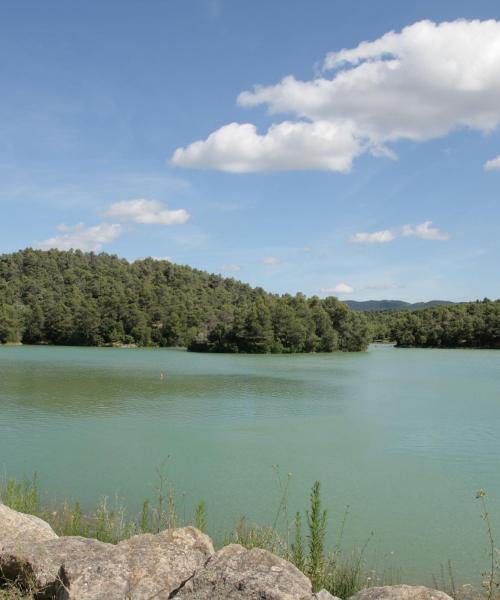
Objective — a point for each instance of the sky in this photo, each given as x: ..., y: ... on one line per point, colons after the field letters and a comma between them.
x: 333, y: 147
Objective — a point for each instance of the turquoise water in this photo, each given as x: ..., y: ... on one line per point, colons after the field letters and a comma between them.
x: 404, y: 437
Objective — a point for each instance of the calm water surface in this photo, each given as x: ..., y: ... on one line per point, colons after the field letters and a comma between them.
x: 404, y: 437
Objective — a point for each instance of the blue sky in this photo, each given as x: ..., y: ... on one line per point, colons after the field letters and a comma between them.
x: 368, y: 172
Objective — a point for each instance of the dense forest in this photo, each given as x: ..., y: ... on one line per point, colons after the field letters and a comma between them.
x: 77, y: 298
x: 467, y: 325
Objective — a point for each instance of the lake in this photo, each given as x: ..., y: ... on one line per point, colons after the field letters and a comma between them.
x: 403, y: 437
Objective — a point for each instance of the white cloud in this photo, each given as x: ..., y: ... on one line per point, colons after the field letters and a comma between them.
x: 231, y: 268
x: 417, y: 84
x: 239, y: 148
x: 81, y: 237
x: 162, y: 258
x: 340, y: 288
x: 377, y: 237
x: 271, y: 261
x: 146, y: 212
x: 493, y: 164
x: 425, y: 232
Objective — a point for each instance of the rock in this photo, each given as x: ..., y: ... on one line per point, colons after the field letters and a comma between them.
x: 18, y: 527
x: 19, y: 532
x: 235, y: 573
x: 50, y: 566
x: 324, y: 595
x: 400, y: 592
x: 160, y: 564
x: 74, y: 568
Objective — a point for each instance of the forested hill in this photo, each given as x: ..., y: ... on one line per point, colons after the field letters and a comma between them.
x: 78, y: 298
x: 465, y: 325
x: 377, y: 305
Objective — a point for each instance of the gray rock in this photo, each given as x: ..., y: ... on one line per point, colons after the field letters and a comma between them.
x: 235, y: 573
x: 400, y: 592
x: 324, y: 595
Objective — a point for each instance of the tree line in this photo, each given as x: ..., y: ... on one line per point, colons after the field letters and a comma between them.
x: 77, y: 298
x: 466, y: 325
x: 87, y: 299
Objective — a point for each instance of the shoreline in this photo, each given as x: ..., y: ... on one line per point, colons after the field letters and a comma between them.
x: 114, y: 525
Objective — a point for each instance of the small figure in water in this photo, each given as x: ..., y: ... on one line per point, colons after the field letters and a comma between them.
x: 162, y: 376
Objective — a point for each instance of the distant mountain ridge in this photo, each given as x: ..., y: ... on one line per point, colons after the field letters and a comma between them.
x: 376, y: 305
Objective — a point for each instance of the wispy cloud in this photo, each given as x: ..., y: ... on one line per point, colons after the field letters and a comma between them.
x: 271, y: 261
x: 382, y: 287
x: 493, y: 164
x: 81, y: 237
x: 425, y: 232
x: 377, y: 237
x: 162, y: 258
x: 231, y: 268
x: 146, y: 212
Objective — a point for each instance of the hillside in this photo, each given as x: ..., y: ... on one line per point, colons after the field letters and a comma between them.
x: 464, y: 325
x: 377, y: 305
x: 77, y: 298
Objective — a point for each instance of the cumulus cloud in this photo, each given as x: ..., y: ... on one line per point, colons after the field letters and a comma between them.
x: 81, y: 237
x: 417, y: 84
x: 377, y: 237
x: 493, y: 164
x: 239, y: 148
x: 231, y: 268
x: 425, y: 232
x: 93, y: 238
x: 340, y: 288
x: 271, y: 261
x: 146, y: 212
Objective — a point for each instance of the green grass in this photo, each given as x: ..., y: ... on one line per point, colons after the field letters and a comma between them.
x: 22, y: 496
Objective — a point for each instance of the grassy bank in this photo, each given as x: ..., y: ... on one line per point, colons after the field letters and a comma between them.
x: 299, y: 538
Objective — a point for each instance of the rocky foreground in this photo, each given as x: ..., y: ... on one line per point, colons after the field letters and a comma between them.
x: 176, y: 563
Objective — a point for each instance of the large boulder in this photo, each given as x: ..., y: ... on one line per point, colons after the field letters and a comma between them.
x: 19, y: 532
x: 18, y: 527
x: 235, y: 573
x: 160, y: 564
x: 49, y: 567
x: 400, y: 592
